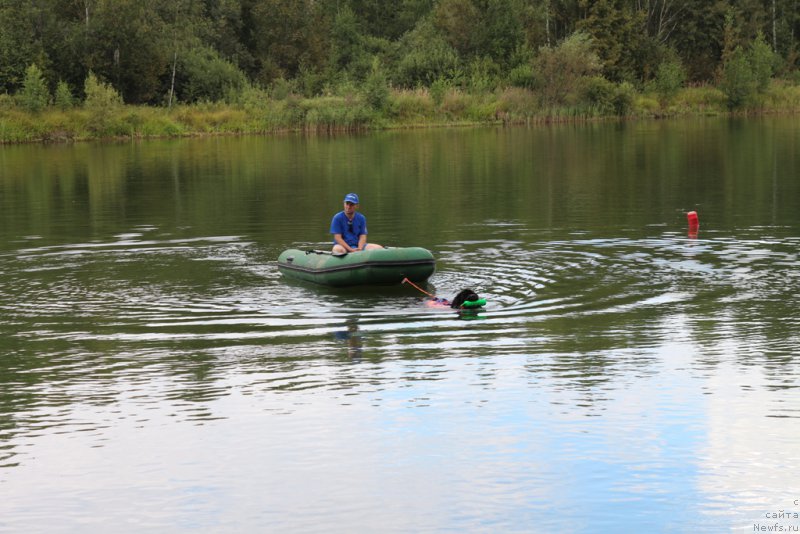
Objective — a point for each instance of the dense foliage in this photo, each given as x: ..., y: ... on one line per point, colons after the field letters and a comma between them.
x: 594, y: 53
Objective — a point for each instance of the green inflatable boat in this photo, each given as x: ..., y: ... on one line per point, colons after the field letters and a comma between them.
x: 383, y: 266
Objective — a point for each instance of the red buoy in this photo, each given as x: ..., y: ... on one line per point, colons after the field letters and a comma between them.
x: 694, y: 223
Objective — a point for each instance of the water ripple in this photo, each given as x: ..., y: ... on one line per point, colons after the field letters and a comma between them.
x: 183, y: 323
x: 215, y: 292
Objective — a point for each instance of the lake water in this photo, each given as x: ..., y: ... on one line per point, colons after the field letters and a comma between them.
x: 157, y: 374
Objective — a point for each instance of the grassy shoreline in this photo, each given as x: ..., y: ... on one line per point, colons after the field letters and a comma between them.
x: 402, y: 109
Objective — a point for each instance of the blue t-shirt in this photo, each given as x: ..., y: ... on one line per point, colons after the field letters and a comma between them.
x: 350, y: 230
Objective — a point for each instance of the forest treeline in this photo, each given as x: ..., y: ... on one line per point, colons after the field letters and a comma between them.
x: 356, y: 62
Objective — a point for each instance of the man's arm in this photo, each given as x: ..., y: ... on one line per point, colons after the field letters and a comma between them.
x: 342, y: 243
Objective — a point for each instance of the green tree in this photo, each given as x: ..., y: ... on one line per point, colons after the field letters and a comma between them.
x: 348, y: 54
x: 562, y: 18
x: 698, y: 39
x: 561, y: 69
x: 482, y: 28
x: 500, y: 32
x: 624, y: 95
x: 221, y: 26
x: 483, y: 74
x: 457, y: 21
x: 738, y: 81
x: 752, y: 17
x: 425, y: 56
x: 135, y: 44
x: 670, y: 77
x: 102, y: 102
x: 283, y: 35
x: 661, y: 18
x: 100, y: 95
x: 535, y: 21
x: 522, y: 76
x: 606, y: 97
x: 376, y: 88
x: 23, y: 25
x: 763, y: 61
x: 731, y: 39
x: 784, y: 28
x: 390, y: 20
x: 63, y: 99
x: 204, y: 75
x: 69, y: 51
x: 598, y: 92
x: 617, y: 37
x: 34, y: 96
x: 127, y: 42
x: 438, y: 90
x: 185, y: 28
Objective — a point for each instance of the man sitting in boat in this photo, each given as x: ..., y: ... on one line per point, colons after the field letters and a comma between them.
x: 349, y: 228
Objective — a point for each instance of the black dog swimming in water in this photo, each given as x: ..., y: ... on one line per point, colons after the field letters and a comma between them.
x: 465, y: 295
x: 465, y: 299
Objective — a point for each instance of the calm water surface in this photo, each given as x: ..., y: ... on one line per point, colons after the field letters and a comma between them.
x: 158, y: 374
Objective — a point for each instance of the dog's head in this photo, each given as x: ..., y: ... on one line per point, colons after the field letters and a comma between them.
x: 463, y: 296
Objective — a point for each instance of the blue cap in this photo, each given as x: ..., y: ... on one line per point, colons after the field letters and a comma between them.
x: 351, y: 197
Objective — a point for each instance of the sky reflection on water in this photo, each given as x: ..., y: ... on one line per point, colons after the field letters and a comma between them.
x: 466, y: 443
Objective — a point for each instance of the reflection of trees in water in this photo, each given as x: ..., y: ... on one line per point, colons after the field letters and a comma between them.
x: 744, y: 306
x: 752, y: 332
x: 8, y: 429
x: 194, y: 378
x: 590, y: 376
x: 351, y: 337
x: 48, y: 391
x: 592, y: 355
